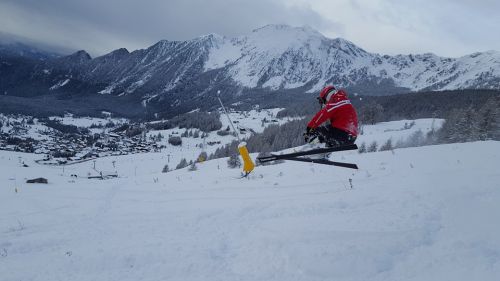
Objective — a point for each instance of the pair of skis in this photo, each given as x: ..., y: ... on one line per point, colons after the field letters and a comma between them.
x: 299, y: 156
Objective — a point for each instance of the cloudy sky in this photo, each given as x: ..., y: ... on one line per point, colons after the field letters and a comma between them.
x: 445, y: 27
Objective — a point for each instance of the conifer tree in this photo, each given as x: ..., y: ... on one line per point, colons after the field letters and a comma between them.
x: 362, y: 148
x: 234, y: 161
x: 165, y: 169
x: 182, y: 164
x: 373, y: 147
x: 386, y: 146
x: 192, y: 167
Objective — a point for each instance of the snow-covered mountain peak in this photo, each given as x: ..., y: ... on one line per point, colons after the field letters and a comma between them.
x: 117, y: 54
x: 121, y: 51
x: 281, y: 56
x: 283, y: 37
x: 209, y: 41
x: 347, y: 47
x: 210, y: 37
x: 279, y: 29
x: 162, y: 45
x: 273, y: 57
x: 80, y: 56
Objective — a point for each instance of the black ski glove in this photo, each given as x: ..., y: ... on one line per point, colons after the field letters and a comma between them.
x: 309, y: 135
x: 306, y: 137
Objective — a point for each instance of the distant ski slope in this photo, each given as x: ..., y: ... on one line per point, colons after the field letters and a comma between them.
x: 426, y: 213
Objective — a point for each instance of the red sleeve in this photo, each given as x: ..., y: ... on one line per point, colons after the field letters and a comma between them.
x: 319, y: 118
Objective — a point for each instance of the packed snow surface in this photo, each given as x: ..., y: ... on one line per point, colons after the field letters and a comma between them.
x: 426, y: 213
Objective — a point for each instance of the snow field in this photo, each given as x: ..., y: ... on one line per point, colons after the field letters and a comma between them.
x: 397, y: 131
x: 422, y: 213
x: 192, y: 147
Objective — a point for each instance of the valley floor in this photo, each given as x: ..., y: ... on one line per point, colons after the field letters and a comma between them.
x: 426, y: 213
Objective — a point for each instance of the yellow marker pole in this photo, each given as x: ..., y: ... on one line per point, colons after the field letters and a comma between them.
x: 248, y: 164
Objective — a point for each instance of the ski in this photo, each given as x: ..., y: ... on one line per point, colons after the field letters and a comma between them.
x: 324, y: 162
x: 309, y: 152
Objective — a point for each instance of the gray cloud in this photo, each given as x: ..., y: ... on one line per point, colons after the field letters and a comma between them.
x: 445, y: 27
x: 100, y: 26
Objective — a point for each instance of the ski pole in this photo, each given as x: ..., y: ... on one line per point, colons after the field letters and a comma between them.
x: 225, y: 112
x: 248, y: 164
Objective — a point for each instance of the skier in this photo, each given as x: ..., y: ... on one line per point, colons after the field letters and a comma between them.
x: 343, y: 127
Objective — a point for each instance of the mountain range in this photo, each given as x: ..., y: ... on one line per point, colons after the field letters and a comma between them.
x: 263, y: 66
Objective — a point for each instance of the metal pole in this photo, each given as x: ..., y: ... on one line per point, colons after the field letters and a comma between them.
x: 230, y: 122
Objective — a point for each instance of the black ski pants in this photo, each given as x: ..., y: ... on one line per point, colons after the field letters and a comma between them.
x: 333, y: 136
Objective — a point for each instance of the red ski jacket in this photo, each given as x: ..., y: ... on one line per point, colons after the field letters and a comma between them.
x: 340, y: 112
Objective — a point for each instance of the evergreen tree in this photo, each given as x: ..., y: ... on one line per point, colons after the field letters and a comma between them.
x: 471, y: 129
x: 175, y: 140
x: 371, y: 113
x: 461, y: 126
x: 373, y: 147
x: 451, y: 132
x: 416, y: 139
x: 192, y: 167
x: 182, y: 164
x: 488, y: 120
x: 165, y: 169
x: 159, y: 137
x: 362, y: 148
x: 234, y: 161
x: 386, y: 146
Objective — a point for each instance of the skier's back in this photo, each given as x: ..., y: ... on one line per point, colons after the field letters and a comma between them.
x: 335, y: 107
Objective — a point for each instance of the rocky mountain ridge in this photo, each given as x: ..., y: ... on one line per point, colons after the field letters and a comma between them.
x: 272, y: 59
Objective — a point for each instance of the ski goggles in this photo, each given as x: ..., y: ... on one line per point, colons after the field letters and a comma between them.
x: 321, y: 101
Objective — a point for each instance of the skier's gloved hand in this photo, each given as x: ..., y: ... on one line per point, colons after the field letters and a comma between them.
x: 309, y: 135
x: 306, y: 137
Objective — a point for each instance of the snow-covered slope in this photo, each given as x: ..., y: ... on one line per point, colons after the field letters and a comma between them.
x: 246, y: 122
x: 398, y: 132
x: 424, y: 213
